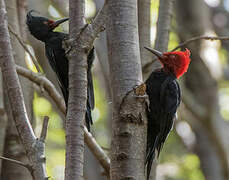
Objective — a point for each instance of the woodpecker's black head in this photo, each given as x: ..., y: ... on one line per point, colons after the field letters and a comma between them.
x: 40, y: 27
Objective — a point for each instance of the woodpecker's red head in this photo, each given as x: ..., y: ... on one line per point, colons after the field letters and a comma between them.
x: 40, y: 27
x: 176, y: 62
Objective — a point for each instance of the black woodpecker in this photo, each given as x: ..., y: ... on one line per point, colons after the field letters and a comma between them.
x: 42, y: 29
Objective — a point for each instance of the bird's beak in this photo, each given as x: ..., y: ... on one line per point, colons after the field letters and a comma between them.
x: 57, y: 23
x: 155, y: 52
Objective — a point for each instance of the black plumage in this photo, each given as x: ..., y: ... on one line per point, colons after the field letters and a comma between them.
x: 164, y: 96
x: 42, y: 29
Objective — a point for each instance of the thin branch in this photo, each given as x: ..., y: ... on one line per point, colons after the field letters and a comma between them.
x: 16, y: 162
x: 40, y: 80
x: 162, y: 36
x: 33, y: 147
x: 97, y: 151
x: 44, y: 129
x: 211, y: 38
x: 26, y: 49
x: 163, y: 25
x: 13, y: 86
x: 89, y: 33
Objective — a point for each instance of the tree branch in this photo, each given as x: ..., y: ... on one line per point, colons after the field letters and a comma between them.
x: 211, y: 38
x: 25, y: 48
x: 89, y: 33
x: 16, y: 162
x: 33, y: 147
x: 41, y: 80
x: 77, y: 94
x: 162, y: 36
x: 80, y: 43
x: 44, y: 129
x: 97, y: 151
x: 191, y: 40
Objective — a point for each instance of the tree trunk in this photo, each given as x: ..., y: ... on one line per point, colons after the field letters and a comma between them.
x: 77, y: 96
x: 128, y: 142
x: 13, y: 147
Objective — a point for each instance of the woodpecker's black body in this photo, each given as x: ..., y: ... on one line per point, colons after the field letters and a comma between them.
x: 164, y: 96
x: 42, y: 29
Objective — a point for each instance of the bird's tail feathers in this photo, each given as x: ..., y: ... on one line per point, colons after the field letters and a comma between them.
x: 151, y: 156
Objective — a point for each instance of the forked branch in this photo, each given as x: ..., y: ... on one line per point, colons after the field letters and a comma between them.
x: 41, y: 80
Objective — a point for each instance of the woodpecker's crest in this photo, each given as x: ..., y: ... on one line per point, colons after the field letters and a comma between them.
x: 40, y: 27
x: 176, y: 62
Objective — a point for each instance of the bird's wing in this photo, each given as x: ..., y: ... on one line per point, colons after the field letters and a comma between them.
x: 90, y: 89
x: 63, y: 83
x: 162, y: 123
x: 169, y: 102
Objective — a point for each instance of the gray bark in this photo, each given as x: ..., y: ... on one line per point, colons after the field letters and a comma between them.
x: 34, y: 147
x: 13, y: 148
x: 129, y: 121
x: 53, y: 93
x: 81, y: 41
x: 77, y: 96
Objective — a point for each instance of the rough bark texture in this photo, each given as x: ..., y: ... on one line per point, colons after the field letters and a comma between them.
x: 203, y: 90
x: 129, y: 121
x: 13, y: 148
x: 33, y: 147
x: 11, y: 81
x: 77, y: 96
x: 56, y: 97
